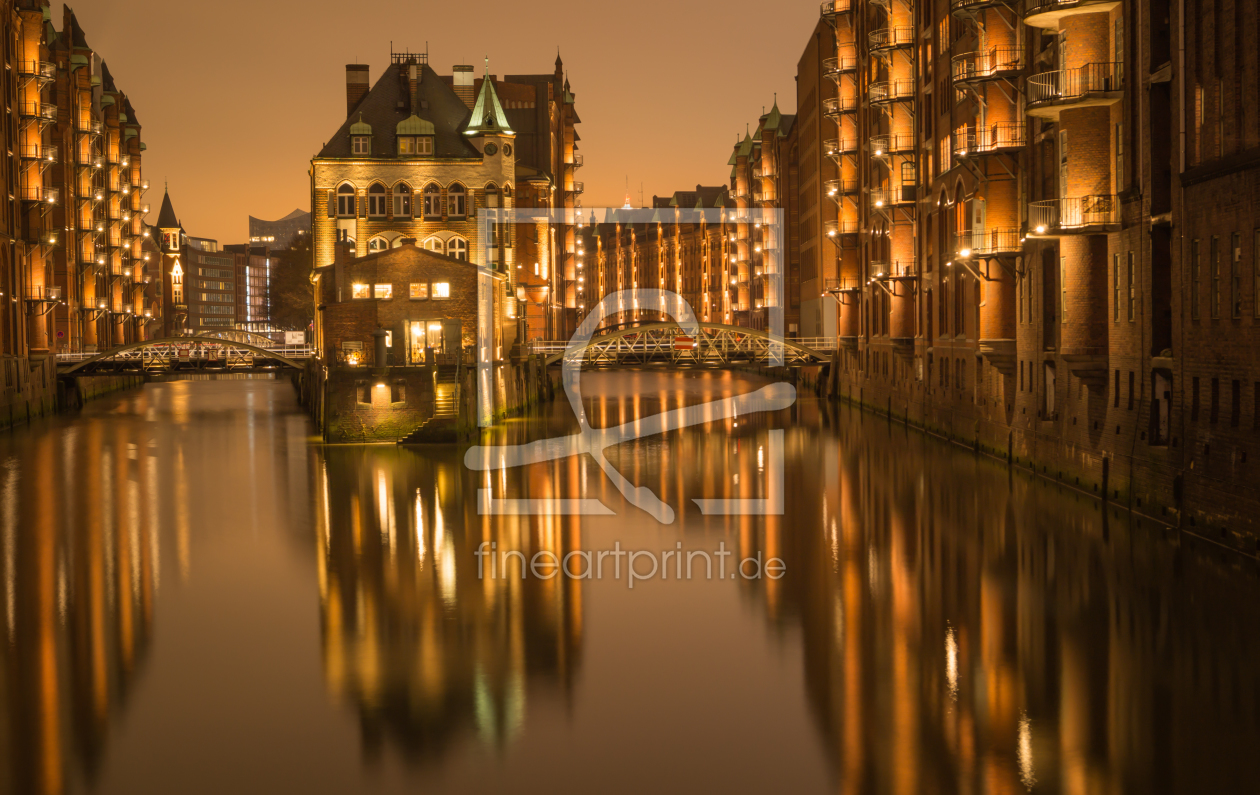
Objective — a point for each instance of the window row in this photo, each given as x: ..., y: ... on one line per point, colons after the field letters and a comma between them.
x: 345, y: 203
x: 417, y: 291
x: 456, y: 247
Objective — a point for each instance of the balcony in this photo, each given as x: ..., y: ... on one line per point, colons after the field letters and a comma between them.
x: 898, y: 195
x: 845, y: 62
x: 45, y: 153
x: 964, y: 6
x: 837, y: 188
x: 990, y: 243
x: 972, y: 68
x: 1075, y: 215
x: 839, y: 227
x: 91, y: 126
x: 578, y: 161
x: 830, y: 8
x: 894, y: 38
x: 836, y: 148
x: 43, y: 111
x: 885, y: 145
x: 44, y: 71
x: 1090, y: 85
x: 578, y: 187
x: 38, y: 193
x: 998, y: 138
x: 901, y: 90
x: 1047, y: 13
x: 835, y: 106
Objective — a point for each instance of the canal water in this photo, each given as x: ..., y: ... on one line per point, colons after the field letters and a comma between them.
x: 200, y: 598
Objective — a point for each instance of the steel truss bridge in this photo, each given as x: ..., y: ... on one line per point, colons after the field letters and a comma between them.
x: 667, y: 344
x: 224, y: 352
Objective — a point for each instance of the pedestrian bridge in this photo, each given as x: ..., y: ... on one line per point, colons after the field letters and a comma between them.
x: 666, y: 344
x: 226, y: 351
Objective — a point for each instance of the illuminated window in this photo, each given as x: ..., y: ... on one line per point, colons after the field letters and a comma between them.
x: 345, y: 201
x: 406, y: 145
x: 378, y: 244
x: 441, y: 289
x: 383, y: 291
x: 402, y: 200
x: 457, y: 197
x: 457, y: 247
x: 432, y: 201
x: 360, y: 291
x: 376, y: 200
x: 419, y: 291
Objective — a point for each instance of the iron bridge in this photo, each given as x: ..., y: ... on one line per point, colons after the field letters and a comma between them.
x: 667, y: 344
x: 228, y: 351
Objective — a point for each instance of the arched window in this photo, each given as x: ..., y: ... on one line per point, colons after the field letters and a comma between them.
x: 435, y: 245
x: 378, y: 244
x: 376, y: 200
x: 432, y: 201
x: 507, y: 190
x: 457, y: 247
x: 345, y: 201
x: 402, y: 200
x: 457, y: 197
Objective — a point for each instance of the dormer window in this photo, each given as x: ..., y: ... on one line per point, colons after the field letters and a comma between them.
x: 415, y: 145
x: 361, y: 144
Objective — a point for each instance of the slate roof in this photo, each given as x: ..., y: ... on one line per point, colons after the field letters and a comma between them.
x: 389, y: 102
x: 167, y: 218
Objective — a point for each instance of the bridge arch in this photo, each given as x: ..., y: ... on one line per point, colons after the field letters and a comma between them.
x: 109, y: 354
x: 720, y: 340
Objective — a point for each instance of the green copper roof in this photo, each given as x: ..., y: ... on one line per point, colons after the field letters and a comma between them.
x: 487, y: 114
x: 106, y: 101
x: 123, y: 118
x: 774, y: 119
x: 360, y: 127
x: 414, y: 125
x: 745, y: 146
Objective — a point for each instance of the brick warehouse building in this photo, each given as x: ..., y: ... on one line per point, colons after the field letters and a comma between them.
x: 426, y: 156
x: 1044, y: 236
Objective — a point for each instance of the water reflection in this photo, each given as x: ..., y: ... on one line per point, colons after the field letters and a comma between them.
x: 423, y: 647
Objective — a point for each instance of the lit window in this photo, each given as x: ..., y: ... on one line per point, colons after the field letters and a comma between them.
x: 345, y: 201
x: 376, y: 200
x: 441, y: 289
x: 385, y: 291
x: 457, y: 196
x: 402, y: 200
x: 359, y: 291
x: 406, y: 145
x: 378, y: 244
x: 362, y: 145
x: 432, y: 201
x: 457, y: 248
x: 419, y: 291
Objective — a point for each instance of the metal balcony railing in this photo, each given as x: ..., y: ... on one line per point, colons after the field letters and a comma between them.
x: 38, y: 193
x: 841, y: 64
x: 43, y: 111
x: 44, y: 152
x: 829, y: 8
x: 989, y: 242
x: 836, y: 188
x: 578, y: 187
x: 91, y: 126
x: 995, y: 63
x: 1057, y: 8
x: 47, y: 293
x: 884, y: 145
x: 44, y: 70
x: 883, y: 198
x: 840, y: 226
x: 899, y: 90
x: 964, y: 5
x: 892, y: 38
x: 578, y: 161
x: 995, y: 138
x: 838, y: 147
x: 834, y: 106
x: 1073, y: 213
x: 1070, y: 84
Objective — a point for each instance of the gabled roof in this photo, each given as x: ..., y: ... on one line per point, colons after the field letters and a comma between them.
x: 487, y: 114
x: 390, y: 102
x: 773, y: 118
x: 166, y: 217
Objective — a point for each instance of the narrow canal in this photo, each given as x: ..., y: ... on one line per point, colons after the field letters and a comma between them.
x: 199, y: 598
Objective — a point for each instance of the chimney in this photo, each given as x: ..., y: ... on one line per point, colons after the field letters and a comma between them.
x: 465, y: 79
x: 356, y: 85
x: 413, y: 84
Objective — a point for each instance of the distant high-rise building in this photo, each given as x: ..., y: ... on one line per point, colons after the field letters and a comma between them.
x: 279, y: 235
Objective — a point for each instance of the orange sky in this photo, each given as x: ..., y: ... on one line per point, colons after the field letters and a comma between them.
x: 235, y: 96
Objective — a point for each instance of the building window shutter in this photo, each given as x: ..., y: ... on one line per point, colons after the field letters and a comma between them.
x: 332, y: 204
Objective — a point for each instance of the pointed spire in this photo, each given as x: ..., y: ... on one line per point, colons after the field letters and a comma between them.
x: 487, y: 114
x: 166, y: 216
x: 775, y: 118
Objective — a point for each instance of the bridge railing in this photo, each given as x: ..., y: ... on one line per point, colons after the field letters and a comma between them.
x: 193, y: 351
